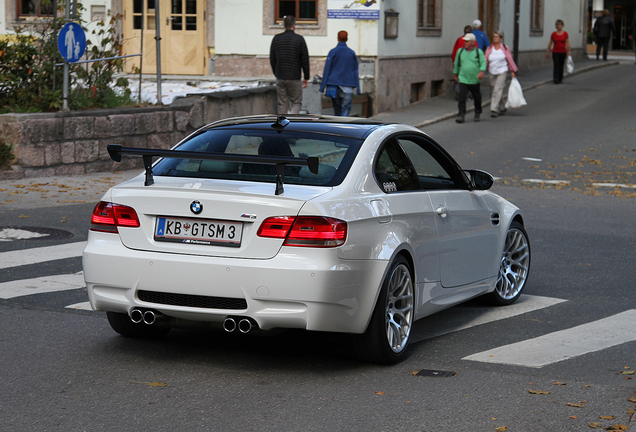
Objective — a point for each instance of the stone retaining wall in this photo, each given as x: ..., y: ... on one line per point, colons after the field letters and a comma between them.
x: 49, y: 144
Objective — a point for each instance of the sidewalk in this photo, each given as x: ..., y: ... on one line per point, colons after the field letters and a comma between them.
x: 444, y: 107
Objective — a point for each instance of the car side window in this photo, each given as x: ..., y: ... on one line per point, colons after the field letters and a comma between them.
x: 393, y: 170
x: 430, y: 170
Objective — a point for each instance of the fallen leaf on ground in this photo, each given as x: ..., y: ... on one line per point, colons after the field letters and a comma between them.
x: 538, y: 392
x: 594, y: 425
x: 606, y: 417
x: 575, y: 405
x: 379, y: 393
x: 632, y: 399
x: 501, y: 429
x: 617, y: 427
x: 152, y: 384
x: 558, y: 383
x: 629, y: 372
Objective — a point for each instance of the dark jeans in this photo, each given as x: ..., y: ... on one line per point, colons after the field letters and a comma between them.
x: 559, y: 62
x: 342, y: 103
x: 602, y: 42
x: 463, y: 92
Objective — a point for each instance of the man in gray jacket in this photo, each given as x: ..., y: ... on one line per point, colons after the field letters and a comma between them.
x: 604, y: 30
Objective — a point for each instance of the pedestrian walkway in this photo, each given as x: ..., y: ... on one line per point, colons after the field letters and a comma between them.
x: 445, y: 107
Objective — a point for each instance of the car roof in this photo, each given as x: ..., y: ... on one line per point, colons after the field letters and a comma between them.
x: 351, y: 127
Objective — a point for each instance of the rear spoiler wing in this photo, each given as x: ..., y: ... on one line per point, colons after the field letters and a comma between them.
x: 116, y: 151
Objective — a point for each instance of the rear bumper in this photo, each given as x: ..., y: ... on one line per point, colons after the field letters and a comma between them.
x: 299, y: 288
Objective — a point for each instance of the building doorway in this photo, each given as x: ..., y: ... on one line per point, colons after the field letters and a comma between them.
x: 622, y: 16
x: 182, y: 36
x: 488, y: 16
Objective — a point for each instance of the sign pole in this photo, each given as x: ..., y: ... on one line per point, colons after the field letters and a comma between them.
x: 67, y: 16
x: 158, y: 39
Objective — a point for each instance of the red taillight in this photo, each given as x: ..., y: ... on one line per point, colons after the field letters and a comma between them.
x: 276, y: 227
x: 108, y: 216
x: 305, y: 231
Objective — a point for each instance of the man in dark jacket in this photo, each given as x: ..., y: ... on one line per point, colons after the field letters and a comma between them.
x: 633, y: 35
x: 604, y: 29
x: 288, y: 54
x: 341, y: 76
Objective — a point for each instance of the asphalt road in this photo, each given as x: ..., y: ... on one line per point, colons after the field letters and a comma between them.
x: 65, y: 369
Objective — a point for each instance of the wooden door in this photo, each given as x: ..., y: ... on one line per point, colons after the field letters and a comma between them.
x: 182, y: 36
x: 487, y: 16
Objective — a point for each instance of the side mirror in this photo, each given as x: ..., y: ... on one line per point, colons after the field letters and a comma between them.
x: 479, y: 180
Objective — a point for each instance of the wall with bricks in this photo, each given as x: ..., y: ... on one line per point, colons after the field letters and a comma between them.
x: 49, y: 144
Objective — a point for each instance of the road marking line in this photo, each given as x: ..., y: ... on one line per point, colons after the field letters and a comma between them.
x: 42, y: 254
x: 615, y: 185
x: 562, y: 345
x: 463, y: 317
x: 545, y: 181
x: 80, y: 306
x: 24, y: 287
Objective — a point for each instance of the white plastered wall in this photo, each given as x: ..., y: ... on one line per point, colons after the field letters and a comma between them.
x: 245, y: 36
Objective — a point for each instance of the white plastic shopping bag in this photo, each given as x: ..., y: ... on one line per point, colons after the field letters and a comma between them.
x: 515, y: 95
x: 570, y: 65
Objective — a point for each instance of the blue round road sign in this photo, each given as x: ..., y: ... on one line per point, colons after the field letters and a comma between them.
x: 71, y: 42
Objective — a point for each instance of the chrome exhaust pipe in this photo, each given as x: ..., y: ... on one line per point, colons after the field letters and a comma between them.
x: 245, y: 325
x: 149, y: 317
x: 229, y: 325
x: 136, y: 316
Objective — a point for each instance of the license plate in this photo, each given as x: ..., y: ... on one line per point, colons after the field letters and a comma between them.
x: 198, y: 231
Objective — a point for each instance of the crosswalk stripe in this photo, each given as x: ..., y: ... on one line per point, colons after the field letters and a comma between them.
x: 464, y: 317
x: 24, y: 287
x: 42, y: 254
x: 562, y: 345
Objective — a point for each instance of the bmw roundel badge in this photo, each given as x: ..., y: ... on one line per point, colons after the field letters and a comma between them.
x: 196, y: 207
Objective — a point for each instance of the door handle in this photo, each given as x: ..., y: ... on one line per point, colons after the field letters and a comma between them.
x: 442, y: 211
x: 168, y: 20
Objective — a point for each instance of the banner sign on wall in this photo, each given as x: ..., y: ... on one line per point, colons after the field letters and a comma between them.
x: 353, y: 9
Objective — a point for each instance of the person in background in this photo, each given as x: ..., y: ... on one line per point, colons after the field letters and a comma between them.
x: 470, y: 64
x: 482, y: 39
x: 288, y: 56
x: 561, y: 42
x: 604, y: 29
x: 459, y: 43
x: 341, y: 72
x: 498, y: 62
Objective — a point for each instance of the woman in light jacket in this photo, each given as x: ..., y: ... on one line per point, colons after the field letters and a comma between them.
x: 498, y: 62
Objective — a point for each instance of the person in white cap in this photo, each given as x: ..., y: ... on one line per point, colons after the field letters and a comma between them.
x: 482, y: 39
x: 470, y: 64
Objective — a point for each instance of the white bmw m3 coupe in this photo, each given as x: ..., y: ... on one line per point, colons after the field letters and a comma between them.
x: 308, y: 222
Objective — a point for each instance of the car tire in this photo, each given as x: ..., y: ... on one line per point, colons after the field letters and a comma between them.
x: 387, y: 336
x: 122, y: 324
x: 514, y: 267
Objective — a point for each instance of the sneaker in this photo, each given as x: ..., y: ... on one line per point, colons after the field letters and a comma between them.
x: 493, y: 114
x: 477, y: 116
x: 460, y: 118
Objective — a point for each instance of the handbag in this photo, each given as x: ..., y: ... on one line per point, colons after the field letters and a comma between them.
x: 331, y: 91
x: 515, y: 95
x: 570, y: 65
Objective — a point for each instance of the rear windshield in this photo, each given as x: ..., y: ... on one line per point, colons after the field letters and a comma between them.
x: 335, y: 154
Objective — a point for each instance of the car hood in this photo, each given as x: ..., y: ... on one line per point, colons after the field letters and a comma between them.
x: 246, y: 203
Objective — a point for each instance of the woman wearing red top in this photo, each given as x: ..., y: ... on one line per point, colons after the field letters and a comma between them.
x: 561, y: 48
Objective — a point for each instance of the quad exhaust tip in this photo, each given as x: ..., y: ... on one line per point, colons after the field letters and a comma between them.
x: 244, y: 325
x: 146, y: 316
